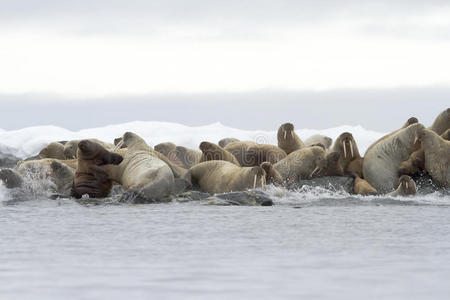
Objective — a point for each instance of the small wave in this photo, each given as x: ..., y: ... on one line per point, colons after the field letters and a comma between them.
x: 329, y: 196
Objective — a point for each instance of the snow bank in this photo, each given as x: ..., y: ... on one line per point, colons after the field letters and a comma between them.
x: 28, y: 141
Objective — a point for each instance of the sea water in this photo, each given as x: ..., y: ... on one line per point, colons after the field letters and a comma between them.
x: 313, y: 243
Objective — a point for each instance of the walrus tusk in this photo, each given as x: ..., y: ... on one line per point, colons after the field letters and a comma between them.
x: 292, y: 134
x: 345, y: 151
x: 314, y: 171
x: 351, y: 148
x: 415, y: 140
x: 254, y: 181
x: 119, y: 144
x: 262, y: 182
x: 406, y: 185
x: 285, y: 132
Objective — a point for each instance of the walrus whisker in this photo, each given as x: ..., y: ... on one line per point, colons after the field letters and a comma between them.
x: 345, y: 151
x: 351, y: 148
x: 254, y: 181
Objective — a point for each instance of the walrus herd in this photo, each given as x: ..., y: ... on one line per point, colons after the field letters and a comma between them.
x: 389, y: 166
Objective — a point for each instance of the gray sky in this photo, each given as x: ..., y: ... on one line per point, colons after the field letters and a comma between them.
x: 305, y: 59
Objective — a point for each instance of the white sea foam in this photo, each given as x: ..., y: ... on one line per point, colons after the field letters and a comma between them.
x: 28, y: 141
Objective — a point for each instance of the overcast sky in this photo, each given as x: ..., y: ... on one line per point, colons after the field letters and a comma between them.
x: 213, y: 52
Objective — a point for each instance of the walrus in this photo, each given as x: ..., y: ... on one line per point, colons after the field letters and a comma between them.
x: 410, y: 121
x: 214, y: 152
x: 11, y: 178
x: 219, y: 176
x: 53, y: 150
x: 71, y: 147
x: 90, y: 178
x: 272, y: 175
x: 380, y: 166
x: 54, y: 174
x: 143, y: 175
x: 333, y: 167
x: 318, y: 138
x: 301, y: 164
x: 223, y: 142
x: 165, y: 148
x: 346, y: 145
x: 361, y: 186
x: 415, y: 164
x: 178, y: 172
x: 169, y: 150
x: 437, y: 156
x: 251, y: 154
x: 288, y: 140
x: 187, y: 157
x: 442, y: 122
x: 406, y: 187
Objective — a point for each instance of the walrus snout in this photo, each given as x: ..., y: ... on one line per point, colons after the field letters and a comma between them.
x: 116, y: 159
x: 407, y: 184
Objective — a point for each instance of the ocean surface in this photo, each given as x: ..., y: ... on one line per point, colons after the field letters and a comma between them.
x: 313, y: 243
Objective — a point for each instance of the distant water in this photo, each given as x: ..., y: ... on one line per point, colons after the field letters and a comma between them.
x: 312, y: 244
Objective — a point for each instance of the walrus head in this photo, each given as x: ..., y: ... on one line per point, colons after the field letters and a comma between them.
x: 258, y: 175
x: 70, y: 149
x: 165, y: 148
x: 286, y: 131
x: 206, y: 146
x: 407, y: 185
x: 347, y: 145
x: 272, y: 175
x: 410, y: 121
x: 88, y: 150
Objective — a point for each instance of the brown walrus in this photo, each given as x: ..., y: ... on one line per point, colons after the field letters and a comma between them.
x: 214, y: 152
x: 272, y: 175
x: 333, y: 167
x: 350, y: 159
x: 442, y: 122
x: 225, y: 141
x: 71, y: 147
x: 381, y: 163
x: 187, y: 157
x: 302, y: 164
x: 288, y: 140
x: 437, y: 157
x: 361, y: 186
x: 415, y: 164
x: 251, y: 154
x: 406, y: 187
x: 53, y: 150
x: 165, y: 148
x: 219, y: 176
x: 89, y: 178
